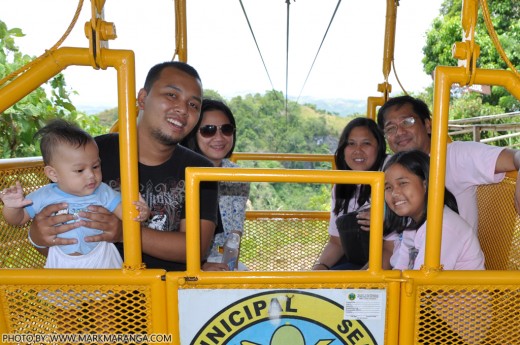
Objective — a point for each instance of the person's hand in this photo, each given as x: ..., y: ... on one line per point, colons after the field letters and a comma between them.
x: 363, y: 219
x: 102, y: 219
x: 320, y: 267
x: 214, y: 266
x: 13, y: 197
x: 144, y: 211
x: 47, y: 225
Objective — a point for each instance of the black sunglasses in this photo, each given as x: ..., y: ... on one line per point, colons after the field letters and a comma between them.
x: 210, y: 130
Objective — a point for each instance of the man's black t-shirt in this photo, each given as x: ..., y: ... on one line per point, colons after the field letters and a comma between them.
x: 163, y: 189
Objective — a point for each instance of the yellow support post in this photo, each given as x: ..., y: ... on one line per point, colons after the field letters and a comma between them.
x: 181, y: 31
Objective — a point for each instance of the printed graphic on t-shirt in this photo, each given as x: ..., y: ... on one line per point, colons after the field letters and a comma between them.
x: 73, y: 209
x: 165, y: 200
x: 412, y: 256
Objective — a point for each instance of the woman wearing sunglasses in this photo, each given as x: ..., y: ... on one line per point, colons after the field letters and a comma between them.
x: 214, y: 136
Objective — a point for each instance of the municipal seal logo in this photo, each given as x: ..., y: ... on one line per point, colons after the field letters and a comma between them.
x: 282, y: 317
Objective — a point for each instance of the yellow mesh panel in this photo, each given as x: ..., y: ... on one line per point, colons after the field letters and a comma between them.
x: 482, y: 315
x: 282, y: 244
x: 499, y: 225
x: 76, y: 309
x: 15, y: 249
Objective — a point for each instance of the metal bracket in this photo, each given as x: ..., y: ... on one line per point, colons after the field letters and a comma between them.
x: 467, y: 51
x: 99, y: 32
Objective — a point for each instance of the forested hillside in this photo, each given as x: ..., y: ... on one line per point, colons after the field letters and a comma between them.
x: 264, y: 126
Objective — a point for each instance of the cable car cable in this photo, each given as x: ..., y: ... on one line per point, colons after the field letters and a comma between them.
x: 317, y: 53
x: 288, y: 2
x: 256, y: 43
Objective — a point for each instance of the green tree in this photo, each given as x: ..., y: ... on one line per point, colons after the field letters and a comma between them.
x: 19, y: 123
x: 212, y: 94
x: 446, y: 29
x: 264, y: 126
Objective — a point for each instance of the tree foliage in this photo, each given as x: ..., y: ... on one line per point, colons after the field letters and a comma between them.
x: 19, y: 123
x: 264, y: 126
x: 445, y: 30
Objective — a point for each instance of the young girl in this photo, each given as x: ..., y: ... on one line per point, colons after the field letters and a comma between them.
x: 406, y: 195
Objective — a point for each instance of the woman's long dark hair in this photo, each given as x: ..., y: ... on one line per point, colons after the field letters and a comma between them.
x: 345, y: 192
x: 418, y: 163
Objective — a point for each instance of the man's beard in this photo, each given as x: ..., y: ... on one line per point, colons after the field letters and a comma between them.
x: 163, y: 138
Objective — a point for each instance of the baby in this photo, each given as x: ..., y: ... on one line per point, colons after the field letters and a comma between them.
x: 72, y: 163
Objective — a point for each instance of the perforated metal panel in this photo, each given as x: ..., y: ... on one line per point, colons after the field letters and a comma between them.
x: 499, y: 225
x: 283, y: 244
x: 15, y: 249
x: 482, y: 315
x: 73, y: 309
x: 49, y: 303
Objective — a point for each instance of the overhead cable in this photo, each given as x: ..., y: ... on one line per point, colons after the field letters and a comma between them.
x: 288, y: 2
x: 256, y: 43
x: 323, y: 40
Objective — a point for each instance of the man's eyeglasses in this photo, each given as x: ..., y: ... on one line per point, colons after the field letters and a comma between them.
x: 391, y: 129
x: 210, y: 130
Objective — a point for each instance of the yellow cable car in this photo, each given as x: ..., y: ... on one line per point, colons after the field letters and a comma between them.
x: 287, y: 306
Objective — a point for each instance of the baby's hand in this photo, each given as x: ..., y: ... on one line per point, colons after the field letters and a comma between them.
x: 144, y: 211
x: 13, y: 197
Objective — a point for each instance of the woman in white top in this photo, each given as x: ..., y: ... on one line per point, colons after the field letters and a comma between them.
x: 361, y: 147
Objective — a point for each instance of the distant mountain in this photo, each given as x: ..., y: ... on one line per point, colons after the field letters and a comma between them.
x: 341, y: 106
x: 93, y: 109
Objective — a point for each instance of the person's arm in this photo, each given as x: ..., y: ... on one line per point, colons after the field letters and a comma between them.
x: 330, y: 255
x: 509, y: 160
x: 214, y: 266
x: 171, y: 245
x: 15, y: 215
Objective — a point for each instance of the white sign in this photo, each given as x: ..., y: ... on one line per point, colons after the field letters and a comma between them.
x: 364, y: 304
x: 281, y: 317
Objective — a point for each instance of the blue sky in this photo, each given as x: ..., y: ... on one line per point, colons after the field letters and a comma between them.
x: 221, y: 48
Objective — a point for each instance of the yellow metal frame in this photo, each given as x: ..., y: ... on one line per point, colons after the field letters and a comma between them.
x: 290, y: 157
x: 67, y: 281
x: 195, y: 175
x: 404, y: 289
x: 444, y: 78
x: 479, y: 286
x: 195, y: 278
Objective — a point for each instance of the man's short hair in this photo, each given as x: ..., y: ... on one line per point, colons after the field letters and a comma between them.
x: 156, y: 70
